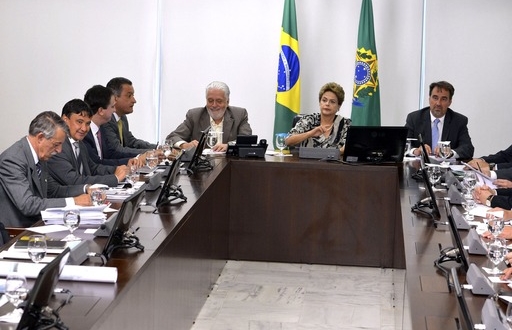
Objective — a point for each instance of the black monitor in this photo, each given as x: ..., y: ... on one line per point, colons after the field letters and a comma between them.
x: 430, y: 201
x: 375, y: 144
x: 461, y: 301
x: 198, y: 161
x: 424, y: 153
x: 119, y: 236
x: 460, y: 252
x: 171, y: 190
x: 42, y: 291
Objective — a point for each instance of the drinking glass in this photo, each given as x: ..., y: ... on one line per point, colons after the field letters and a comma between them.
x: 212, y: 139
x: 151, y: 160
x: 16, y: 291
x: 72, y: 221
x: 37, y: 247
x: 165, y: 147
x: 497, y: 251
x: 445, y: 151
x: 280, y: 143
x: 508, y: 315
x: 98, y: 197
x: 495, y: 225
x: 468, y: 204
x: 434, y: 174
x: 470, y: 180
x: 132, y: 176
x: 408, y: 146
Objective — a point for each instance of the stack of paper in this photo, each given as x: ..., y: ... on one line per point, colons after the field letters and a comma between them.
x: 69, y: 273
x: 120, y: 194
x: 89, y: 215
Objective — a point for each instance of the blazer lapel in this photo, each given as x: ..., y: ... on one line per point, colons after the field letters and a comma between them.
x: 227, y: 125
x: 36, y: 180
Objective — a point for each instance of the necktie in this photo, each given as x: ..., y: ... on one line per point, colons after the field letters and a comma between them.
x: 77, y: 154
x: 435, y: 134
x: 100, y: 147
x: 38, y: 169
x: 120, y: 128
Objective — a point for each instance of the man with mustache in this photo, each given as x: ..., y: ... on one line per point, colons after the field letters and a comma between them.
x: 439, y: 120
x: 26, y: 188
x: 218, y: 115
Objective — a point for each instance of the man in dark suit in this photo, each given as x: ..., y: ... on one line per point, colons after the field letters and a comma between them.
x: 102, y: 101
x: 117, y: 130
x: 438, y: 119
x: 73, y: 165
x: 217, y: 114
x: 26, y: 188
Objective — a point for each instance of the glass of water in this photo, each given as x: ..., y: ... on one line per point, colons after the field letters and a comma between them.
x: 72, y: 221
x: 280, y: 143
x: 151, y: 160
x: 98, y: 197
x: 16, y: 291
x: 37, y: 247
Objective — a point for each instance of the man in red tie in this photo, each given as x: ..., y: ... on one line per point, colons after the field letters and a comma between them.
x: 101, y: 100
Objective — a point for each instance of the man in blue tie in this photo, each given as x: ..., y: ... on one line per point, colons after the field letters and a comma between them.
x: 438, y: 122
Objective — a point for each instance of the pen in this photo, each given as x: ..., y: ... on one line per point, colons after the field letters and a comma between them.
x: 479, y: 168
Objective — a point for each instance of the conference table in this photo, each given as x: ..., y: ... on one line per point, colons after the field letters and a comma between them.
x: 276, y: 209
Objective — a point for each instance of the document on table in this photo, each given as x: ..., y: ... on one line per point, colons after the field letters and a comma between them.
x: 69, y: 273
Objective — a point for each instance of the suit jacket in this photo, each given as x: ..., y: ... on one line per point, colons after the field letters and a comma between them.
x: 64, y: 168
x: 236, y: 122
x: 455, y: 130
x: 503, y: 158
x: 108, y: 156
x: 23, y: 195
x: 131, y: 145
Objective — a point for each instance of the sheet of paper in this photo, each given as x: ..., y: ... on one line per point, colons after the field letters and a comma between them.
x: 48, y: 229
x: 69, y: 273
x: 480, y: 210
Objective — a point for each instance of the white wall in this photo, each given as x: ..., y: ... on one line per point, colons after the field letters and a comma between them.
x: 54, y: 50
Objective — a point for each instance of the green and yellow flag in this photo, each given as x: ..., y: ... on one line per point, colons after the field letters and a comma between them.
x: 366, y: 98
x: 288, y: 72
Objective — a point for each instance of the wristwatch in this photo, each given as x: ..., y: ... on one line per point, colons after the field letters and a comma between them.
x: 488, y: 200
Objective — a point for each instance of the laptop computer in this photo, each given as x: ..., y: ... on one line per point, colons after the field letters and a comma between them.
x: 375, y: 144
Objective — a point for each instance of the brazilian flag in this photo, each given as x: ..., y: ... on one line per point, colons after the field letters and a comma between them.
x: 366, y: 98
x: 288, y: 72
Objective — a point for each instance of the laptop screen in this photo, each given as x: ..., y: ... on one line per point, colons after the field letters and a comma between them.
x: 375, y: 144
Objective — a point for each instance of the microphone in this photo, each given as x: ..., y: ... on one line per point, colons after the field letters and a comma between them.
x: 453, y: 253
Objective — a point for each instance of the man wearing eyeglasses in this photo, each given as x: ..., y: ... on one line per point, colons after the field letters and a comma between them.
x: 26, y: 188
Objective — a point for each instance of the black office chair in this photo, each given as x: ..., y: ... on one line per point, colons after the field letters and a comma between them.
x: 296, y: 118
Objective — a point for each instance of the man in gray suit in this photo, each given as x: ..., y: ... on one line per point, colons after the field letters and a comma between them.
x: 447, y: 124
x: 73, y: 165
x: 26, y: 188
x: 217, y: 114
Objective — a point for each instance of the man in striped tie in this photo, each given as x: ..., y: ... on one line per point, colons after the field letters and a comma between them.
x: 438, y: 122
x: 73, y: 165
x: 26, y: 188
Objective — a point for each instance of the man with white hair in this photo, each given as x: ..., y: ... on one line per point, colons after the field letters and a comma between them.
x: 217, y: 114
